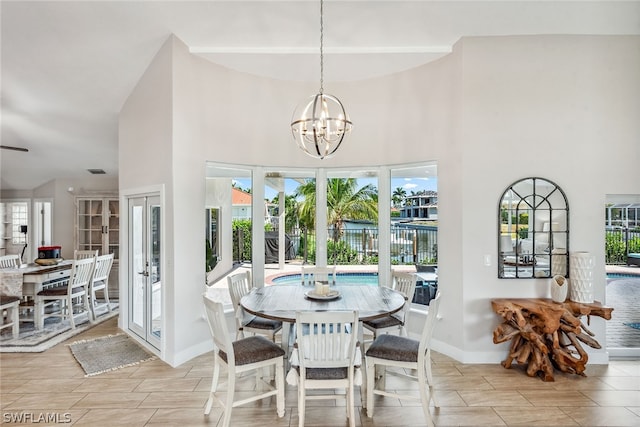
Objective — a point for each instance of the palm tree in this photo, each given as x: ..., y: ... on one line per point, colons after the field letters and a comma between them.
x: 398, y: 196
x: 344, y: 201
x: 290, y: 209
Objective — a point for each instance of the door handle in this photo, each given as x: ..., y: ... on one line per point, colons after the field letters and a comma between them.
x: 144, y: 273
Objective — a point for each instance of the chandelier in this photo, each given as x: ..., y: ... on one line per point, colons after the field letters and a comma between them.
x: 320, y: 124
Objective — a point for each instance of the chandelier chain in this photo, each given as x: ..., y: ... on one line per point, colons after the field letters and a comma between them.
x: 321, y: 47
x: 320, y: 125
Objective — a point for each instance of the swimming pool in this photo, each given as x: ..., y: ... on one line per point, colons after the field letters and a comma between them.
x: 622, y: 276
x: 425, y: 291
x: 364, y: 278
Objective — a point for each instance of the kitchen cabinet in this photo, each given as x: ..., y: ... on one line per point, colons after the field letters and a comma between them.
x: 98, y: 228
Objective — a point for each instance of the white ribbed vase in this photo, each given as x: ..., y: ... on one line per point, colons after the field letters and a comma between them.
x: 582, y: 265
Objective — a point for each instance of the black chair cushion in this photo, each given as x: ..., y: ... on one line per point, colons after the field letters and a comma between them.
x: 262, y: 323
x: 325, y: 373
x: 393, y: 347
x: 58, y: 291
x: 383, y: 322
x: 99, y: 284
x: 253, y: 349
x: 8, y: 299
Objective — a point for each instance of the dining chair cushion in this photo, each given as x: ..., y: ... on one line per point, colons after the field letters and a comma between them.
x: 325, y: 373
x: 262, y: 323
x: 383, y: 322
x: 393, y: 347
x: 253, y: 349
x: 58, y: 291
x: 8, y: 299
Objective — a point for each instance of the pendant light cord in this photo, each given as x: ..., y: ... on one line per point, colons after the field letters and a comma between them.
x: 321, y: 48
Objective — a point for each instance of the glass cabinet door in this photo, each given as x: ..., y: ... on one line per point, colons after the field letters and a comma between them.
x: 98, y: 226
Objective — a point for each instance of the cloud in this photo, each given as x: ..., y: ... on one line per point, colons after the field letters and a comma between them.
x: 410, y: 185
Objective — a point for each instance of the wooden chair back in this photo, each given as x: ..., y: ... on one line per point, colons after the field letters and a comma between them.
x: 81, y: 274
x: 10, y: 261
x: 218, y: 327
x: 427, y: 332
x: 405, y: 283
x: 312, y: 274
x: 103, y: 268
x: 77, y: 254
x: 326, y: 339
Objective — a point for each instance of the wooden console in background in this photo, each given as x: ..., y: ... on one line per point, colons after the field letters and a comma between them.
x: 545, y: 334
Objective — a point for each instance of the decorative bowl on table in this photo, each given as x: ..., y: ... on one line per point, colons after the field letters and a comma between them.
x: 48, y: 261
x: 312, y: 294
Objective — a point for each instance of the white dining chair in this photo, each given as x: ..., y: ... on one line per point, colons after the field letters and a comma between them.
x: 239, y: 285
x: 407, y: 354
x: 405, y: 283
x: 76, y: 288
x: 78, y: 254
x: 248, y: 354
x: 325, y: 358
x: 100, y: 282
x: 311, y: 274
x: 10, y: 261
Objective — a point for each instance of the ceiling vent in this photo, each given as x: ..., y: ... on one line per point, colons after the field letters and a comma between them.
x: 96, y: 171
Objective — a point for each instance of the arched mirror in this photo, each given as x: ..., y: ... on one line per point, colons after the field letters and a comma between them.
x: 533, y: 230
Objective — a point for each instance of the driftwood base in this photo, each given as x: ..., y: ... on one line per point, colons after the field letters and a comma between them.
x: 546, y: 335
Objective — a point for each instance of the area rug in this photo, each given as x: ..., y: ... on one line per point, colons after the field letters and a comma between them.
x: 54, y: 332
x: 104, y: 354
x: 633, y: 325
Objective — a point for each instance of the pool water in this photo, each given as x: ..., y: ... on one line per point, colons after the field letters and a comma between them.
x: 341, y: 279
x: 425, y: 291
x: 622, y: 276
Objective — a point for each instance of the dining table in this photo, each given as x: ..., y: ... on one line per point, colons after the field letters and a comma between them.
x: 29, y: 279
x: 282, y: 302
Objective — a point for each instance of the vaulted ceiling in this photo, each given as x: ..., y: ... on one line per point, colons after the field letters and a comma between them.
x: 68, y: 67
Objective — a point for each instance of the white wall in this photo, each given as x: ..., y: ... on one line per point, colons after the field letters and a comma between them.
x: 563, y: 108
x: 492, y: 112
x: 145, y: 153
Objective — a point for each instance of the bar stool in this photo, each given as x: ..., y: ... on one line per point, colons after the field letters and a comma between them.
x: 10, y: 304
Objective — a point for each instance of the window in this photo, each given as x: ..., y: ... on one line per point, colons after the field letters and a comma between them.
x: 378, y: 216
x: 19, y: 221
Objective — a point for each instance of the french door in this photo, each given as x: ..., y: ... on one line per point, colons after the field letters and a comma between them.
x: 145, y: 275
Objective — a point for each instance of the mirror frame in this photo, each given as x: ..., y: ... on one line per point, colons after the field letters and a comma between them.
x: 537, y: 245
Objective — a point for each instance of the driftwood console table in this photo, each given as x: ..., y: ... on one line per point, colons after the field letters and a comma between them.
x: 545, y: 334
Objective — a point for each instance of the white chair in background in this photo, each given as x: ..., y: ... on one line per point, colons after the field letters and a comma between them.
x: 76, y: 288
x: 405, y: 283
x: 239, y: 285
x: 10, y: 261
x: 405, y: 353
x: 77, y: 254
x: 312, y: 274
x: 100, y: 282
x: 325, y: 357
x: 248, y: 354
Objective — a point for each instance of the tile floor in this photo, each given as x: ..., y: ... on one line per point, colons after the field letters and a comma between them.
x: 52, y: 384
